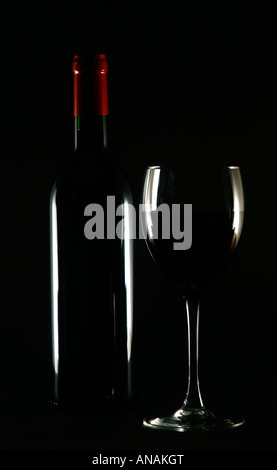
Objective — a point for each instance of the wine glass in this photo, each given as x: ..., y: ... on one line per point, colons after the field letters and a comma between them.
x: 192, y: 221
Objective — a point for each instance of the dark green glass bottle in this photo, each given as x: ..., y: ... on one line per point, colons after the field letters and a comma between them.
x: 91, y: 258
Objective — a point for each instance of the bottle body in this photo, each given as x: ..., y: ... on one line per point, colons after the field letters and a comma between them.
x: 91, y: 283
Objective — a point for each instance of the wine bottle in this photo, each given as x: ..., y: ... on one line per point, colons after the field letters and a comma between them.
x: 91, y: 262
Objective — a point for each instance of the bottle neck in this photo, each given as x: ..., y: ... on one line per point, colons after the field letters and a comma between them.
x: 90, y: 132
x: 90, y: 102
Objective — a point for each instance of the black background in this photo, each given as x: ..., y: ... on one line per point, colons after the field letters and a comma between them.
x: 183, y: 84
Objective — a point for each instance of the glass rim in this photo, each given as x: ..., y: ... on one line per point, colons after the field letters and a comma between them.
x: 158, y: 167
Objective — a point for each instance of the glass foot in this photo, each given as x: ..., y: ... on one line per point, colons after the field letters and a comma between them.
x: 194, y: 419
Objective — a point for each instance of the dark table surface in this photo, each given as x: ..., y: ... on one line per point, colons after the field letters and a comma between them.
x: 37, y: 427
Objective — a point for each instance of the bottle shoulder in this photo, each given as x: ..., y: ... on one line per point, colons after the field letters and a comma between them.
x: 93, y: 172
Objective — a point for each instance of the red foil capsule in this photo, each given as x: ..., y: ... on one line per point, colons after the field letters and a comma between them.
x: 90, y: 94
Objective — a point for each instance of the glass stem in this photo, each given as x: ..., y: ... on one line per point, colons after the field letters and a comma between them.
x: 193, y: 398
